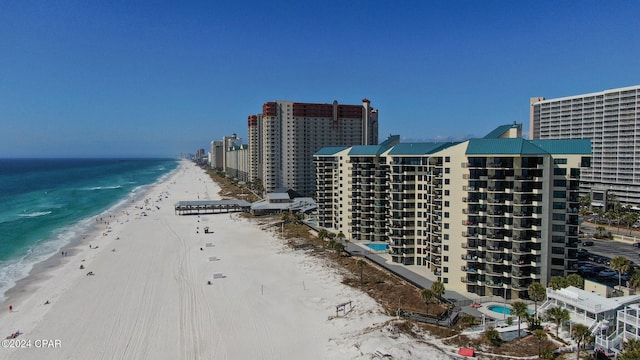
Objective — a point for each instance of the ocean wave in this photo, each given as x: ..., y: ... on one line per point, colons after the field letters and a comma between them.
x: 105, y: 187
x: 35, y: 214
x: 15, y: 269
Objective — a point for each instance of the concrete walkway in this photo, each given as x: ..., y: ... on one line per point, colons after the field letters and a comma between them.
x: 461, y: 302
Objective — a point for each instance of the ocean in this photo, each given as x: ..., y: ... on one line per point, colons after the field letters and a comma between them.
x: 46, y: 203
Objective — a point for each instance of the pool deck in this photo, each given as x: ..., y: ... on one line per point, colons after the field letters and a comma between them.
x: 484, y: 310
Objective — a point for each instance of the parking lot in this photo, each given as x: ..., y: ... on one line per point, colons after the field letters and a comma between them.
x: 595, y: 256
x: 610, y: 248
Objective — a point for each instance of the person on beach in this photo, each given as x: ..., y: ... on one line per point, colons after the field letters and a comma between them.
x: 10, y: 307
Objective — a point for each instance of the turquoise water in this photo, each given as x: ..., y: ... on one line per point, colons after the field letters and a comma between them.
x: 44, y: 203
x: 377, y: 247
x: 503, y: 309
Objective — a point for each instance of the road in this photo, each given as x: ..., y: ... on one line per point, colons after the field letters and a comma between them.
x: 611, y: 248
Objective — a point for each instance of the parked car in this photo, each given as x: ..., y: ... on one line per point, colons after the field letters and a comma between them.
x: 637, y: 244
x: 587, y: 243
x: 607, y: 273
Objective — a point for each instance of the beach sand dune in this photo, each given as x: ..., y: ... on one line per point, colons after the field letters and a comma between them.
x: 150, y: 297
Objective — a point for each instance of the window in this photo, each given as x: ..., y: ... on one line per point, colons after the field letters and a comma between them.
x: 447, y: 170
x: 446, y: 181
x: 445, y: 269
x: 445, y: 247
x: 559, y: 161
x: 560, y: 183
x: 446, y: 225
x: 557, y: 250
x: 557, y: 227
x: 559, y: 205
x: 446, y: 192
x: 559, y: 171
x: 447, y: 159
x: 446, y: 215
x: 558, y: 216
x: 559, y: 194
x: 445, y: 258
x: 445, y: 280
x: 446, y: 204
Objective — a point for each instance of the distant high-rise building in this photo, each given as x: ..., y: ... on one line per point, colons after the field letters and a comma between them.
x: 611, y: 119
x: 255, y: 146
x: 217, y: 154
x: 283, y: 139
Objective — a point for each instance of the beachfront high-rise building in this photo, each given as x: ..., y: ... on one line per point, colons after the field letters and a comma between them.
x: 255, y: 144
x: 216, y: 155
x: 487, y: 216
x: 611, y: 119
x: 283, y: 139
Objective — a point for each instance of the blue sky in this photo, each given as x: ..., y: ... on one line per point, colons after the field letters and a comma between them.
x: 156, y: 78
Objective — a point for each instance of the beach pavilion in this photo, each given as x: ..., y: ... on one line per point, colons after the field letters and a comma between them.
x: 198, y: 207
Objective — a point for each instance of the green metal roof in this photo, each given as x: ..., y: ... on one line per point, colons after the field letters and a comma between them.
x: 391, y: 140
x: 330, y: 150
x: 418, y: 148
x: 499, y: 131
x: 565, y: 146
x: 372, y: 150
x: 519, y: 146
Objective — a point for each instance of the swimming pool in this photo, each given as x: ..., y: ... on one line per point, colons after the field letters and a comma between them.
x: 503, y: 309
x: 377, y: 247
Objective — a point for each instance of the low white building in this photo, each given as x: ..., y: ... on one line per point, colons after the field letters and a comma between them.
x: 627, y: 327
x: 275, y: 203
x: 587, y: 308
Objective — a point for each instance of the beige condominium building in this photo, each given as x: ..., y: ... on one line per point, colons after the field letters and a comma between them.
x: 283, y: 139
x: 487, y: 216
x: 611, y: 119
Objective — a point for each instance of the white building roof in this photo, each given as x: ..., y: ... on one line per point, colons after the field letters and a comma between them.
x: 588, y: 301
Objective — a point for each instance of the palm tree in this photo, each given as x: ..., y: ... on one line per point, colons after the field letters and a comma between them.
x: 630, y: 218
x: 438, y: 289
x: 558, y: 282
x: 634, y: 280
x: 323, y: 234
x: 580, y: 333
x: 559, y: 316
x: 575, y: 280
x: 630, y: 350
x: 428, y: 296
x: 537, y: 292
x: 519, y: 310
x: 622, y: 265
x: 361, y: 264
x: 540, y: 335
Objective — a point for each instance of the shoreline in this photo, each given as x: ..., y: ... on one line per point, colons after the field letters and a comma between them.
x: 165, y: 290
x: 93, y: 229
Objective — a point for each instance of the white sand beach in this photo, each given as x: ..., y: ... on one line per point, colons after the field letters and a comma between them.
x: 149, y: 297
